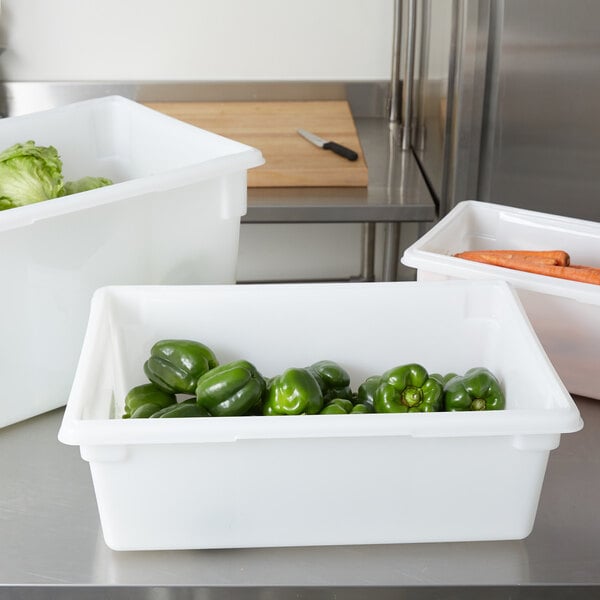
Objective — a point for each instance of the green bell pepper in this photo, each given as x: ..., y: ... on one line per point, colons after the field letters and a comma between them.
x: 408, y: 388
x: 144, y: 394
x: 293, y: 392
x: 366, y: 391
x: 443, y: 379
x: 332, y: 378
x: 361, y: 408
x: 176, y: 365
x: 477, y: 389
x: 143, y: 411
x: 232, y: 389
x: 337, y: 406
x: 187, y: 408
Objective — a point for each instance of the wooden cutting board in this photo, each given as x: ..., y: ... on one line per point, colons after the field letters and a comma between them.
x: 271, y: 127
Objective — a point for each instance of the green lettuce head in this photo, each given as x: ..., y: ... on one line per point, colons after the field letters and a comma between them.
x: 29, y: 174
x: 84, y: 184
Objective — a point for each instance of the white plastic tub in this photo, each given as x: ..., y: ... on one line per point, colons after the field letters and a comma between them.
x: 565, y: 314
x: 317, y: 480
x: 173, y: 216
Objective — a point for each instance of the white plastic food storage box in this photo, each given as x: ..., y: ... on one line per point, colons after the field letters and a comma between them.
x: 172, y: 216
x: 317, y: 480
x: 565, y: 314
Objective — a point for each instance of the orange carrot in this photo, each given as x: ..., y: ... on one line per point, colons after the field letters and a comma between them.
x: 549, y: 257
x: 581, y: 274
x: 584, y: 275
x: 492, y: 257
x: 586, y: 269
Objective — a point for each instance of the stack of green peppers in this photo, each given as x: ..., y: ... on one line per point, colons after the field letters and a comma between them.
x: 174, y: 367
x: 321, y: 388
x: 188, y: 368
x: 409, y: 388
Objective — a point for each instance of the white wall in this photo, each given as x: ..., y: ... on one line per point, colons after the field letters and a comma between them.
x: 197, y: 39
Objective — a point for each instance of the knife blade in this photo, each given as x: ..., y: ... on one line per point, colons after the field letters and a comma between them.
x: 328, y: 145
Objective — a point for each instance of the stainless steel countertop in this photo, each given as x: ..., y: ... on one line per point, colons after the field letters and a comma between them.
x: 397, y: 191
x: 52, y: 546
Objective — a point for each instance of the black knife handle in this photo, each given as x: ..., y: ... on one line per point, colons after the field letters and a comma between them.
x: 341, y: 150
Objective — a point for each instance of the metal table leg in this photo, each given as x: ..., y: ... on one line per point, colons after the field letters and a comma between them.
x: 390, y: 251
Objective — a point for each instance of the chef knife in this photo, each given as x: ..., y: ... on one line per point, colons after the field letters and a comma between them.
x: 328, y: 145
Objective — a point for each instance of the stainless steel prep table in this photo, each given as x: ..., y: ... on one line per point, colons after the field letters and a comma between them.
x: 396, y: 194
x: 52, y: 546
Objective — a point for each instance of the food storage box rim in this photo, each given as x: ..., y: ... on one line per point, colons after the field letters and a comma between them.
x: 418, y: 257
x: 518, y: 424
x: 76, y: 430
x: 246, y: 157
